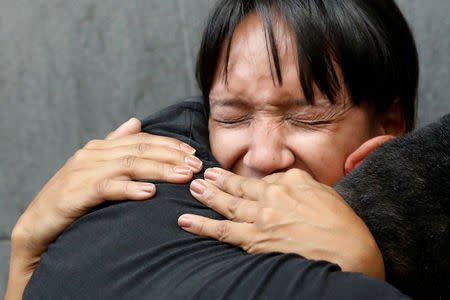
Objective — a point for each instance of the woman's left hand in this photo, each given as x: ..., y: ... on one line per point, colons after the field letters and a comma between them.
x: 285, y: 212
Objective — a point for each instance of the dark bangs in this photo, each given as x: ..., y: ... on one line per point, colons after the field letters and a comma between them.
x: 369, y: 41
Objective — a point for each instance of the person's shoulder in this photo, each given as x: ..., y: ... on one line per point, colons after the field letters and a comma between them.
x: 175, y: 114
x: 187, y: 121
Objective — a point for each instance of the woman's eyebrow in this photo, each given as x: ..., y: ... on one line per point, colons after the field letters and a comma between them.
x: 292, y: 103
x: 228, y: 102
x: 295, y: 102
x: 237, y: 102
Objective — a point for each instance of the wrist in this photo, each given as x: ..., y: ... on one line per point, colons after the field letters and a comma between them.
x: 24, y: 250
x: 21, y: 269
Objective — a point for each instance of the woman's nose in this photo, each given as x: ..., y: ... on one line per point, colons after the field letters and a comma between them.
x: 268, y: 152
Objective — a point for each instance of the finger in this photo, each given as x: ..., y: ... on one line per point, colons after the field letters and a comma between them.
x: 131, y: 126
x: 239, y: 186
x: 292, y: 176
x: 272, y: 178
x: 145, y: 151
x: 135, y: 168
x: 141, y: 138
x: 233, y: 208
x: 114, y: 190
x: 223, y: 230
x: 296, y: 177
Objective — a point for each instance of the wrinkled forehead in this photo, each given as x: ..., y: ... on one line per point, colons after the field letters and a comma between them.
x: 255, y: 45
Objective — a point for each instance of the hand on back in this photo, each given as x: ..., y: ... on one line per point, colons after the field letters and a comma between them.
x: 103, y: 170
x: 285, y: 212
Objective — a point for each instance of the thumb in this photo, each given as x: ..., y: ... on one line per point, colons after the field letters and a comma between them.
x: 131, y: 126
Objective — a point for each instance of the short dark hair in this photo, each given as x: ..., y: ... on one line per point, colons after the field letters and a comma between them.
x: 369, y: 40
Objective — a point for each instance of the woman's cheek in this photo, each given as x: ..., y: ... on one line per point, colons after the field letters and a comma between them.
x: 228, y: 145
x: 316, y: 152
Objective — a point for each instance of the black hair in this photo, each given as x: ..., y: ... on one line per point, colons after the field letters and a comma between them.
x: 369, y: 40
x: 402, y: 192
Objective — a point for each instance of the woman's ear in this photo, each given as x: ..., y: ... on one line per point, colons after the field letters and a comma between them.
x: 392, y: 121
x: 354, y: 159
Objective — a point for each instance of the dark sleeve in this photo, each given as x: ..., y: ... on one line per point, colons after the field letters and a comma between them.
x: 135, y: 250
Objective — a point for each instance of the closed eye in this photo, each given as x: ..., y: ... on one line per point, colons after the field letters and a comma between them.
x: 232, y: 122
x: 313, y: 119
x: 308, y: 122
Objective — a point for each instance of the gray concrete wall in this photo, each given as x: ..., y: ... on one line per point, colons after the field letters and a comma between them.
x: 71, y: 71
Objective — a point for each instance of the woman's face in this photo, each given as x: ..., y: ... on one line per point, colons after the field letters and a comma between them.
x: 258, y: 127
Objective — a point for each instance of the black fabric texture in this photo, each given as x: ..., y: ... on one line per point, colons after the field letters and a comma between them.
x: 402, y: 192
x: 135, y: 249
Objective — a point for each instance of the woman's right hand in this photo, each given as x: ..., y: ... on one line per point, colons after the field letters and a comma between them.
x: 102, y: 170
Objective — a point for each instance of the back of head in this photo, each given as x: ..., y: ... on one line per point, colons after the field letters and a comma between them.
x: 364, y: 46
x: 402, y: 192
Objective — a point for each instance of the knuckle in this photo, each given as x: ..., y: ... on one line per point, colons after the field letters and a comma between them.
x: 159, y: 171
x: 142, y: 136
x: 163, y: 170
x: 127, y: 188
x: 208, y: 197
x: 92, y: 144
x: 266, y: 215
x: 295, y: 174
x: 201, y: 228
x: 232, y: 208
x: 222, y: 231
x: 274, y: 191
x: 128, y: 161
x: 178, y: 156
x: 240, y: 188
x: 253, y: 248
x: 141, y: 148
x: 79, y: 156
x: 303, y: 188
x: 102, y: 187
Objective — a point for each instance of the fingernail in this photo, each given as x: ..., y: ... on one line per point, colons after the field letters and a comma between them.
x: 184, y: 221
x: 198, y: 187
x: 182, y: 170
x: 147, y: 188
x: 194, y: 162
x: 187, y: 148
x: 211, y: 174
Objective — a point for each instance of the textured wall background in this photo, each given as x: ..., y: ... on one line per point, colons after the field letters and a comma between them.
x: 71, y: 71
